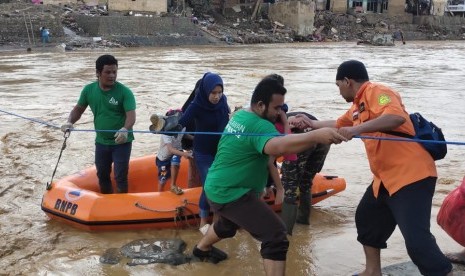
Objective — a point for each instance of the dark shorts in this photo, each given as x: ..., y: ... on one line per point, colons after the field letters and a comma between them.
x: 257, y: 218
x: 164, y: 167
x: 410, y: 210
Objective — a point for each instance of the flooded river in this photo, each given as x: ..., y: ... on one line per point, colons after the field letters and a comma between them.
x: 44, y: 86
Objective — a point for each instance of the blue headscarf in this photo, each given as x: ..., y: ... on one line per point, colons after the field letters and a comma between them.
x: 207, y: 84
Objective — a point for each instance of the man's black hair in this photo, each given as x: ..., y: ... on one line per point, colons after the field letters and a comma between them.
x: 265, y: 89
x: 105, y: 60
x: 276, y: 77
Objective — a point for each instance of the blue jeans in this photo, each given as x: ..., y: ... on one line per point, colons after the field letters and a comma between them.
x: 105, y: 155
x: 203, y: 163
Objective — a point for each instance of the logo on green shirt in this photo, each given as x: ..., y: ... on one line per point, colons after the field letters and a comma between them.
x: 113, y: 101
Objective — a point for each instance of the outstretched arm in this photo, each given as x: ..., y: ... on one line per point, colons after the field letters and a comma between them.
x: 385, y: 122
x: 302, y: 121
x: 295, y: 143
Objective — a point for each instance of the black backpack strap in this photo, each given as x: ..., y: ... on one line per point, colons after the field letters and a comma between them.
x: 401, y: 134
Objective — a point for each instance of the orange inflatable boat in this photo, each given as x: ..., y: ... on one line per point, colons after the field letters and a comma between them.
x: 76, y: 200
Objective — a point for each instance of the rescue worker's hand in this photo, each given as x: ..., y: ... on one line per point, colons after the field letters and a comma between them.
x: 121, y: 136
x: 300, y: 121
x: 348, y: 132
x: 328, y: 136
x: 67, y: 127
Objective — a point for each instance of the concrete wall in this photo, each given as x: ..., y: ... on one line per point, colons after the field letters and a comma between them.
x: 440, y: 21
x: 57, y: 2
x: 132, y: 25
x: 145, y: 30
x: 139, y: 5
x: 403, y: 18
x: 298, y: 15
x: 14, y: 29
x: 60, y: 2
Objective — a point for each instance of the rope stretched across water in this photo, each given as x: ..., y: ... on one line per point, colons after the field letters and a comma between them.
x: 225, y: 133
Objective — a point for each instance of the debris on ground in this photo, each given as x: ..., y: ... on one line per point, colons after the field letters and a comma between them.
x: 239, y: 26
x: 148, y: 251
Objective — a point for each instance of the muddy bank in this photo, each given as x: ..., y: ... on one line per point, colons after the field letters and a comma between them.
x: 79, y: 26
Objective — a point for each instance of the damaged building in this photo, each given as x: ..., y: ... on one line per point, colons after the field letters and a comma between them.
x: 176, y: 22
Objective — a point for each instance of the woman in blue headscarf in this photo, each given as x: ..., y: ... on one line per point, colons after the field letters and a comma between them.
x: 210, y: 112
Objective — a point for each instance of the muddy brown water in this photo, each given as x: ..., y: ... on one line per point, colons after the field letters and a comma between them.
x: 44, y: 86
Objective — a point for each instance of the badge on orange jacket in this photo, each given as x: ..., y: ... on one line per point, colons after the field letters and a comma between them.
x: 384, y: 99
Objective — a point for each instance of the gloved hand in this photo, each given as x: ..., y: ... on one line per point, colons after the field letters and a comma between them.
x: 121, y: 136
x: 67, y: 127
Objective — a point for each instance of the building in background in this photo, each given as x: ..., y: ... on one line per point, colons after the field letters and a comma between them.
x: 155, y: 6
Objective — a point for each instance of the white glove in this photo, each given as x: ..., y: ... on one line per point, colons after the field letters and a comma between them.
x: 67, y: 127
x: 121, y: 136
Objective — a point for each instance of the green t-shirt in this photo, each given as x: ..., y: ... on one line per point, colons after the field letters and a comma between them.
x: 240, y: 164
x: 109, y: 109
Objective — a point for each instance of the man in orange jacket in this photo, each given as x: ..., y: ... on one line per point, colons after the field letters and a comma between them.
x: 404, y: 173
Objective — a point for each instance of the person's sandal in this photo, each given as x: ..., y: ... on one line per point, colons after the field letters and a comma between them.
x: 176, y: 190
x: 214, y: 255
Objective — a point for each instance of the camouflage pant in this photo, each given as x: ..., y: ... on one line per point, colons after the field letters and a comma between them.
x: 300, y: 173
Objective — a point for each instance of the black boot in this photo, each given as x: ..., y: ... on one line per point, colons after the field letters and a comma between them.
x: 303, y: 216
x: 288, y: 215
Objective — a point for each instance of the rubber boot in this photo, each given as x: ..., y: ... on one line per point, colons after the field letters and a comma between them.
x: 303, y: 216
x: 288, y: 215
x: 171, y: 123
x: 165, y: 123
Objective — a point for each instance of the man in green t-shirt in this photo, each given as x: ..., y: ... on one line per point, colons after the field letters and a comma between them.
x: 239, y: 173
x: 114, y: 109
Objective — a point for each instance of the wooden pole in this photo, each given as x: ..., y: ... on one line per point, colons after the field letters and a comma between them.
x: 257, y: 4
x: 32, y: 29
x: 27, y: 30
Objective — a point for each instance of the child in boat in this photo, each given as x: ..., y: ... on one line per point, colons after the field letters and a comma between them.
x: 169, y: 158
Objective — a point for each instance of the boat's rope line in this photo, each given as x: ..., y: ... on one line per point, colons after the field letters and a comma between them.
x: 141, y: 206
x: 226, y: 133
x: 63, y: 147
x: 179, y: 212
